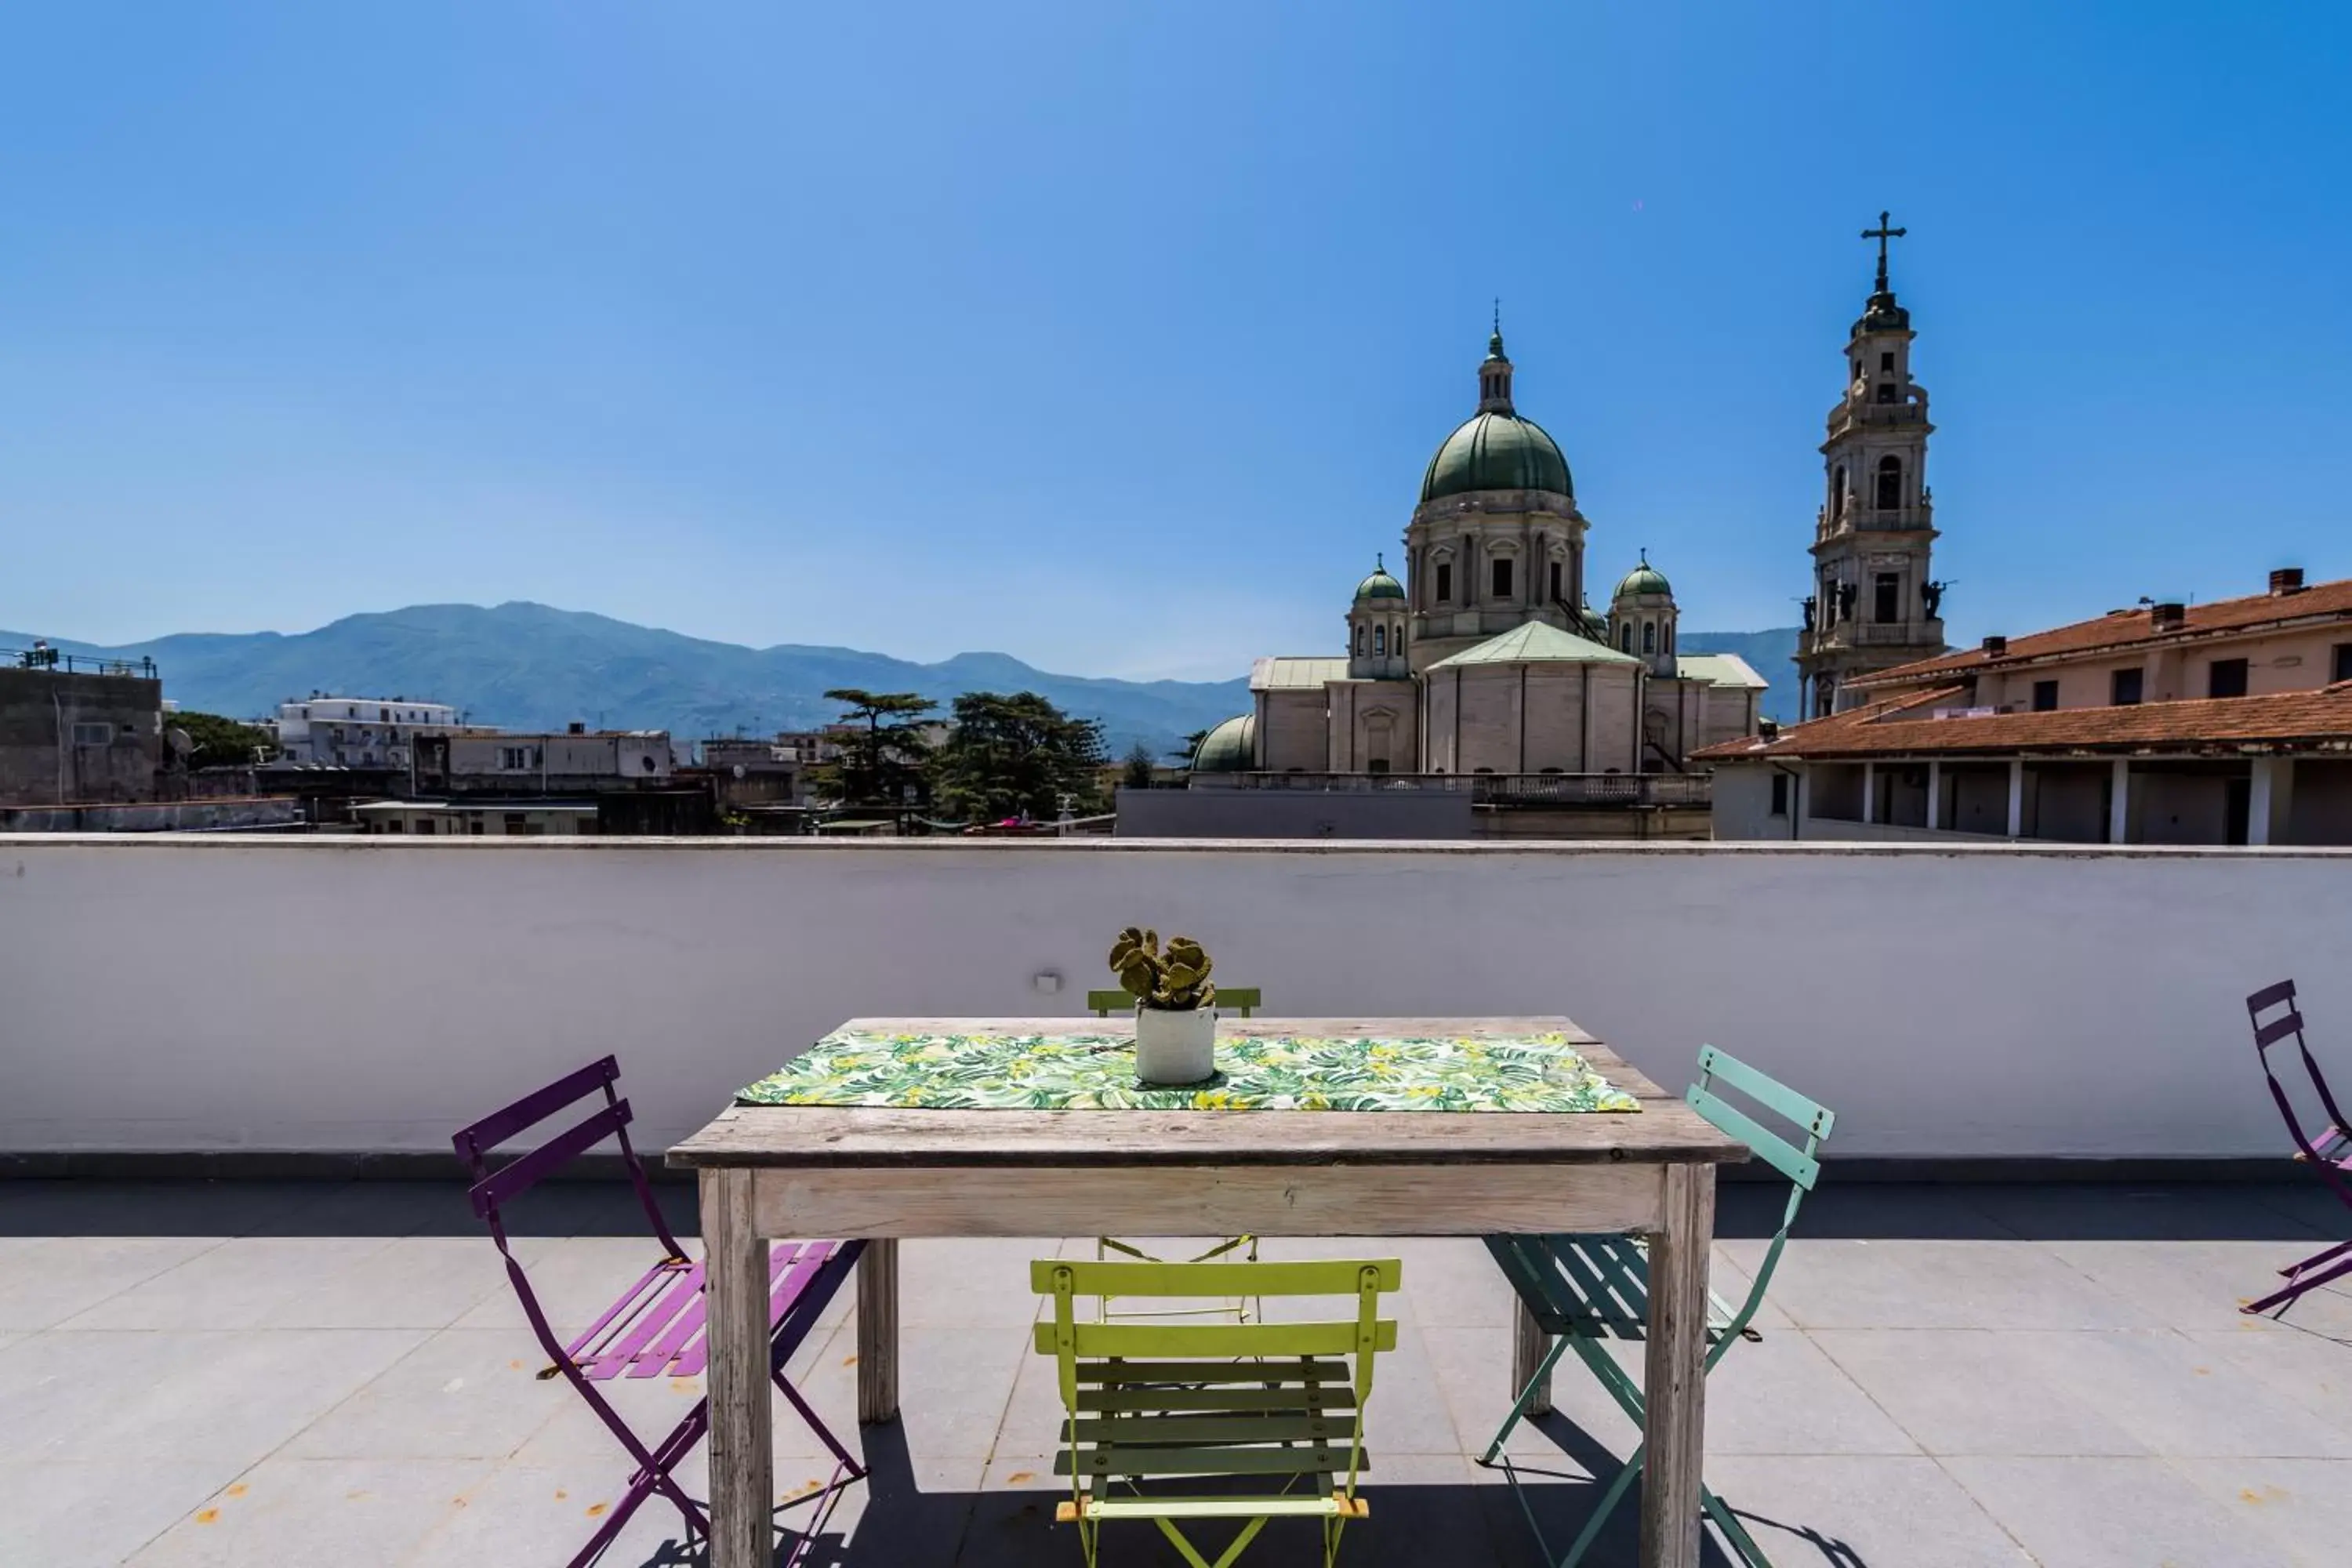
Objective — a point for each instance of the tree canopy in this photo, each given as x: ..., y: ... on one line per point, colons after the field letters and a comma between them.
x: 885, y: 765
x: 1016, y: 757
x: 220, y: 742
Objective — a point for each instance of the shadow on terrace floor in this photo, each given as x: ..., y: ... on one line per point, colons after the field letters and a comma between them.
x: 2287, y: 1210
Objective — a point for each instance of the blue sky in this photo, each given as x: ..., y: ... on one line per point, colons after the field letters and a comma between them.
x: 1116, y: 336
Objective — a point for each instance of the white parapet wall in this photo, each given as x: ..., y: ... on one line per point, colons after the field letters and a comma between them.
x: 184, y: 993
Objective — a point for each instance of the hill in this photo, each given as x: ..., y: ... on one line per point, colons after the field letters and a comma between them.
x: 526, y: 665
x: 1769, y: 651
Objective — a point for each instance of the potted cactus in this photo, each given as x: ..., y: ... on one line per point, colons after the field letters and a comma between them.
x: 1175, y: 1025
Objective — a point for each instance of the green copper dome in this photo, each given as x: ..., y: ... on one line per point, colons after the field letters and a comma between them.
x: 1230, y: 748
x: 1380, y: 585
x: 1644, y: 579
x: 1496, y: 451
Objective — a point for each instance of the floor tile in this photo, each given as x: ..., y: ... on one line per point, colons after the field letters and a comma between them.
x: 2111, y: 1513
x: 466, y: 1394
x: 44, y: 1282
x: 319, y: 1511
x: 95, y: 1514
x: 1885, y: 1512
x: 1862, y: 1283
x: 2304, y: 1506
x: 420, y: 1282
x: 574, y: 1278
x: 1979, y: 1391
x: 236, y: 1285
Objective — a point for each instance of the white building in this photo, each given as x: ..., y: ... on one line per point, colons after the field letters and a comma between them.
x: 358, y: 731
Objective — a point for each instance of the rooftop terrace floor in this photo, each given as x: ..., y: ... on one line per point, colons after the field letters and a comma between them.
x: 294, y: 1375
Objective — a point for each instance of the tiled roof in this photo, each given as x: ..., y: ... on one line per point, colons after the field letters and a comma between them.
x: 1906, y: 726
x: 2125, y: 629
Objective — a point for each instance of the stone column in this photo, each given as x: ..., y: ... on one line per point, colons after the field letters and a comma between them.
x: 2017, y: 797
x: 2119, y: 804
x: 2269, y: 800
x: 1934, y: 794
x: 1869, y: 792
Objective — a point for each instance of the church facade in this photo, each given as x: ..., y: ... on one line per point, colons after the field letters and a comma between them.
x: 1487, y: 656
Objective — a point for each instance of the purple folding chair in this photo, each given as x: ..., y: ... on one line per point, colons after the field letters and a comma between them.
x: 656, y: 1327
x: 2330, y: 1154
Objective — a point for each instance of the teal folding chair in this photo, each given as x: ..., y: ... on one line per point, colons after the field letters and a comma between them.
x: 1589, y: 1289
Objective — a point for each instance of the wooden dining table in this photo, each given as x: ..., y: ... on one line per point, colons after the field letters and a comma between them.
x: 882, y: 1173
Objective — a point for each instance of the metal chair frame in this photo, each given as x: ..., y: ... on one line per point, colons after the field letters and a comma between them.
x: 2329, y: 1155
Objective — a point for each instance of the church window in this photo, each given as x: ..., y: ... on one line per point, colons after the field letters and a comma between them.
x: 1555, y: 582
x: 1396, y: 639
x: 1886, y: 360
x: 1649, y: 636
x: 1885, y: 392
x: 1444, y: 582
x: 1837, y: 494
x: 1666, y: 645
x: 1381, y: 641
x: 1887, y: 593
x: 1626, y: 637
x: 1502, y: 576
x: 1360, y: 642
x: 1890, y: 483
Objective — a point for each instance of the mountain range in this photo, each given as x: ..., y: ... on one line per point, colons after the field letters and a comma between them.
x: 530, y: 667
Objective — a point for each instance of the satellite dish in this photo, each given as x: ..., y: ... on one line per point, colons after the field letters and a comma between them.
x: 180, y: 742
x: 739, y: 770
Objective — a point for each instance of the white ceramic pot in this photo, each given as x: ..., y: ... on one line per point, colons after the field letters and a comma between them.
x: 1174, y: 1047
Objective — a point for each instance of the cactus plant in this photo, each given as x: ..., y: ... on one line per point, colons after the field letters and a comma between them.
x: 1170, y: 979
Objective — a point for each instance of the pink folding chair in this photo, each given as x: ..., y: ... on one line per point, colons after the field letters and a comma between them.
x: 2329, y: 1155
x: 656, y: 1327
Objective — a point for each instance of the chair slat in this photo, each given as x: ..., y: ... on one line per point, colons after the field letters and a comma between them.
x: 1185, y: 1280
x: 1769, y: 1146
x: 526, y: 1171
x: 2277, y: 1029
x: 1192, y: 1373
x: 680, y: 1308
x: 537, y: 1106
x: 1223, y: 1508
x: 1765, y: 1091
x: 1312, y: 1395
x: 2271, y: 996
x: 1225, y: 1340
x: 1163, y: 1461
x: 1195, y: 1430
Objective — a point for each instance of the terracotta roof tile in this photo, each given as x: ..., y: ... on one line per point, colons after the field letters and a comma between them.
x: 1904, y: 726
x: 2125, y: 628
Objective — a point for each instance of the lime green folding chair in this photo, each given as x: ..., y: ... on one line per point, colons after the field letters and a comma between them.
x: 1244, y: 1000
x: 1587, y: 1289
x: 1275, y: 1409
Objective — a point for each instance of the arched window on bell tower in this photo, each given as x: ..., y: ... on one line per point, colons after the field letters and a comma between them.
x: 1890, y: 483
x: 1837, y: 494
x: 1649, y: 636
x: 1379, y: 642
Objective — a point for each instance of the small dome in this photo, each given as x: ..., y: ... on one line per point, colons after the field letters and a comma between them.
x: 1380, y: 585
x: 1494, y: 451
x: 1230, y: 748
x: 1644, y: 579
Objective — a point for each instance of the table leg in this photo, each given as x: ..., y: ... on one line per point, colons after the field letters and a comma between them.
x: 878, y: 1332
x: 1529, y: 1344
x: 1674, y: 1382
x: 742, y: 1438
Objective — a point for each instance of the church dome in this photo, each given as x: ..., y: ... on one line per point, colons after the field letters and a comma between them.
x: 1644, y: 579
x: 1380, y: 585
x: 1230, y: 748
x: 1496, y: 451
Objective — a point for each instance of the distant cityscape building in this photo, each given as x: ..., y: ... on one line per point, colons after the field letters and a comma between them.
x: 2228, y: 722
x: 1486, y: 658
x: 1874, y: 602
x: 575, y: 762
x: 75, y: 730
x: 357, y: 732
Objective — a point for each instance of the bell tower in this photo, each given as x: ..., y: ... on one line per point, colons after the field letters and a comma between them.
x: 1874, y: 602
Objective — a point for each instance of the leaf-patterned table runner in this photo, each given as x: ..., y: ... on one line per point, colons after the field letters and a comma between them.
x: 1272, y: 1072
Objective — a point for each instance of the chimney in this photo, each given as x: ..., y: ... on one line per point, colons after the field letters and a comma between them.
x: 575, y: 728
x: 1995, y: 647
x: 2286, y: 580
x: 2168, y: 616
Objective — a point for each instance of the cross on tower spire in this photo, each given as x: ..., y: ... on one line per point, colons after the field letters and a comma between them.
x: 1883, y: 234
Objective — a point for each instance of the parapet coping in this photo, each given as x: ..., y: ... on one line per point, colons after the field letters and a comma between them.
x: 402, y: 843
